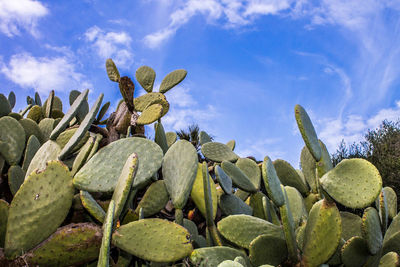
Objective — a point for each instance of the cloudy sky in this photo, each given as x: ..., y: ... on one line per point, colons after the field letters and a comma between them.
x: 249, y: 62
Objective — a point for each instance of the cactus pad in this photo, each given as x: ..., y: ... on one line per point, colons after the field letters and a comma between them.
x: 154, y: 200
x: 146, y: 76
x: 4, y: 206
x: 251, y: 169
x: 32, y: 128
x: 307, y: 131
x: 101, y: 172
x: 204, y: 138
x: 232, y: 205
x: 390, y: 259
x: 5, y: 107
x: 218, y: 152
x: 179, y: 170
x: 267, y: 249
x: 172, y: 79
x: 104, y: 254
x: 296, y: 205
x: 224, y: 180
x: 72, y: 244
x: 231, y: 144
x: 289, y: 176
x: 32, y: 146
x: 171, y: 138
x: 35, y: 113
x: 371, y: 230
x: 355, y: 252
x: 322, y: 233
x: 391, y: 200
x: 160, y: 138
x: 48, y: 151
x: 150, y: 114
x: 289, y: 228
x: 92, y: 206
x: 351, y: 225
x: 238, y: 177
x: 16, y: 177
x: 124, y: 184
x: 112, y: 70
x: 38, y: 208
x: 154, y: 240
x: 212, y: 256
x: 12, y: 140
x: 146, y: 100
x: 242, y: 229
x: 354, y: 183
x: 272, y: 182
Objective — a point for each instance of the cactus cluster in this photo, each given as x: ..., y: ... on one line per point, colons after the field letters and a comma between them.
x: 78, y: 189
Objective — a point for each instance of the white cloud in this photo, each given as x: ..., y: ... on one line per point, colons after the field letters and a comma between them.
x: 352, y: 128
x: 43, y: 73
x: 261, y: 148
x: 115, y: 45
x: 17, y: 14
x: 232, y: 13
x: 184, y: 110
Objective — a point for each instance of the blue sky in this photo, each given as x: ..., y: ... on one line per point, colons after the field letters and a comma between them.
x: 249, y: 62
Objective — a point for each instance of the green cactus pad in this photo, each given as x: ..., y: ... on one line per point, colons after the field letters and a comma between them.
x: 82, y: 155
x: 146, y: 76
x: 391, y: 200
x: 322, y: 233
x: 32, y: 128
x: 11, y: 99
x: 229, y: 263
x: 38, y: 100
x: 82, y: 130
x: 239, y: 178
x: 272, y: 183
x: 251, y: 169
x: 39, y: 207
x: 289, y: 176
x: 35, y: 113
x: 325, y: 163
x: 371, y: 230
x: 243, y: 195
x: 124, y: 183
x: 154, y: 240
x: 154, y: 200
x: 267, y: 249
x: 127, y: 89
x: 101, y: 172
x: 95, y: 147
x: 73, y: 95
x: 148, y: 99
x: 12, y: 140
x: 242, y: 229
x: 92, y: 206
x: 351, y: 225
x: 296, y: 205
x: 46, y: 126
x: 256, y: 203
x: 307, y: 132
x: 150, y: 114
x: 355, y: 252
x: 172, y: 79
x: 48, y: 151
x: 393, y: 228
x: 16, y: 116
x: 191, y: 227
x: 392, y: 243
x: 223, y: 179
x: 112, y: 71
x: 212, y: 256
x: 336, y: 258
x: 354, y: 183
x: 4, y: 207
x: 231, y: 144
x: 310, y: 200
x: 65, y: 136
x: 73, y: 244
x: 102, y: 111
x: 160, y: 138
x: 197, y: 193
x: 5, y: 107
x: 16, y: 177
x: 269, y: 211
x: 381, y: 204
x: 48, y: 105
x: 179, y: 170
x: 390, y: 259
x: 171, y: 138
x: 204, y: 138
x: 73, y: 110
x: 104, y: 254
x: 232, y: 205
x: 289, y: 229
x: 218, y: 152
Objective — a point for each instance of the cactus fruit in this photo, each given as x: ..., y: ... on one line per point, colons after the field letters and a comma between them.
x: 38, y: 208
x: 354, y: 183
x: 12, y: 140
x: 154, y: 240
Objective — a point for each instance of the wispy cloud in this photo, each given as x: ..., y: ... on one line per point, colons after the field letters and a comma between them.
x: 185, y: 110
x: 230, y: 13
x: 353, y: 127
x: 261, y: 148
x: 20, y: 14
x: 43, y: 73
x: 115, y: 45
